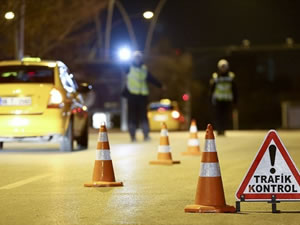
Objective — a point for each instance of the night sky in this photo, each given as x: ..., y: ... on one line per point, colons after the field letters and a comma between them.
x: 196, y: 23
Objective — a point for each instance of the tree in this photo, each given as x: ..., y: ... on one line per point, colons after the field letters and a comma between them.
x: 53, y: 29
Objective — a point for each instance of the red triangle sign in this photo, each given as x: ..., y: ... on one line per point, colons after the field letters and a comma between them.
x: 272, y: 172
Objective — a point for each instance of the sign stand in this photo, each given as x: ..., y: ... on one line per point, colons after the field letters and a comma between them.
x: 272, y: 201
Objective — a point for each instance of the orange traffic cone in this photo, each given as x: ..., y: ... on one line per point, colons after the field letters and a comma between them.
x: 164, y: 155
x: 103, y: 175
x: 210, y: 193
x: 193, y: 142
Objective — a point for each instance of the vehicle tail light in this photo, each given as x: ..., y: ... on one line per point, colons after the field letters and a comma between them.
x: 175, y: 114
x: 82, y: 111
x: 77, y: 110
x: 56, y: 99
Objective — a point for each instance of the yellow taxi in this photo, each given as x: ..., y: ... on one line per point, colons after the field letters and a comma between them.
x: 40, y: 101
x: 165, y: 111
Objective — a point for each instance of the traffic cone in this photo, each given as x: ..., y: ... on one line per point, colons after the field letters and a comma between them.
x: 164, y: 155
x: 103, y: 175
x: 210, y: 193
x: 193, y: 142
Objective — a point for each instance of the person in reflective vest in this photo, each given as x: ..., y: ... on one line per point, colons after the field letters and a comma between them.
x: 136, y: 92
x: 223, y: 94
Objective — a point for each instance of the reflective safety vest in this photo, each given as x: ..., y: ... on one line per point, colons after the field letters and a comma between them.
x: 223, y: 88
x: 137, y: 80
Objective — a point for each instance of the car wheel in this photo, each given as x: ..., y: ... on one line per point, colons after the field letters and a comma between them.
x: 83, y: 140
x: 1, y: 145
x: 67, y: 143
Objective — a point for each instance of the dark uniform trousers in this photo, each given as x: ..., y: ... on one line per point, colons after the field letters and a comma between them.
x: 137, y: 114
x: 223, y: 115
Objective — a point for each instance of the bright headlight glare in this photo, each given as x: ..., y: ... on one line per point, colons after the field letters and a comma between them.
x: 55, y: 97
x: 124, y: 54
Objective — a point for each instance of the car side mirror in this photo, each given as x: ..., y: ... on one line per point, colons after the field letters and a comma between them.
x: 84, y: 87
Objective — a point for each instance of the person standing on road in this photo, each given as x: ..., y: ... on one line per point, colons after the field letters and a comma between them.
x: 136, y: 92
x: 223, y: 94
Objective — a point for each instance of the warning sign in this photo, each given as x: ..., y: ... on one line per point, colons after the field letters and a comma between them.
x: 272, y: 173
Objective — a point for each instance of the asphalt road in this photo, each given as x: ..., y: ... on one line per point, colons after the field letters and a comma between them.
x: 40, y: 185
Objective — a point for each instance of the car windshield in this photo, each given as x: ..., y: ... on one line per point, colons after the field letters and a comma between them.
x: 26, y: 74
x: 157, y: 106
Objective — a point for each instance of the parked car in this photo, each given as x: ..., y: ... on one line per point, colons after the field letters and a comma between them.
x: 165, y: 111
x: 41, y: 101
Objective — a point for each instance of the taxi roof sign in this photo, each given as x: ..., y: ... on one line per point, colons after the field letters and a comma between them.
x: 272, y: 173
x: 31, y: 59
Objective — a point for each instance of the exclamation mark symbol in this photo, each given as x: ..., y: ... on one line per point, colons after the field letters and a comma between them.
x: 272, y: 151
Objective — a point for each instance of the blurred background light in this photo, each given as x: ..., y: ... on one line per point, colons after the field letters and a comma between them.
x: 148, y: 15
x: 9, y: 15
x: 185, y: 97
x: 100, y: 118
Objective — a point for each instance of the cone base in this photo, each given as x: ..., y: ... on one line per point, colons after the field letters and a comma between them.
x: 209, y: 209
x: 164, y: 162
x: 191, y: 153
x: 104, y: 184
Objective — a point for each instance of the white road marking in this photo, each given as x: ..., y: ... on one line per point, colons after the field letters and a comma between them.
x: 25, y: 181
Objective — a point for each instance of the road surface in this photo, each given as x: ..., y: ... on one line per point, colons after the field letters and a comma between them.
x: 40, y: 185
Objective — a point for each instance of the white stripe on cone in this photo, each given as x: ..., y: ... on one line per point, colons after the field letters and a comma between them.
x: 164, y: 132
x: 210, y: 145
x: 102, y: 137
x: 193, y: 142
x: 164, y: 148
x: 193, y: 129
x: 210, y: 170
x: 103, y: 154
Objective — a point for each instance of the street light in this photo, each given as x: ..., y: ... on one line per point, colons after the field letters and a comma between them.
x: 9, y: 15
x: 20, y: 25
x: 148, y: 15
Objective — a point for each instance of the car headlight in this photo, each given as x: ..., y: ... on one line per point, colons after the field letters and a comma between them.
x: 175, y: 114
